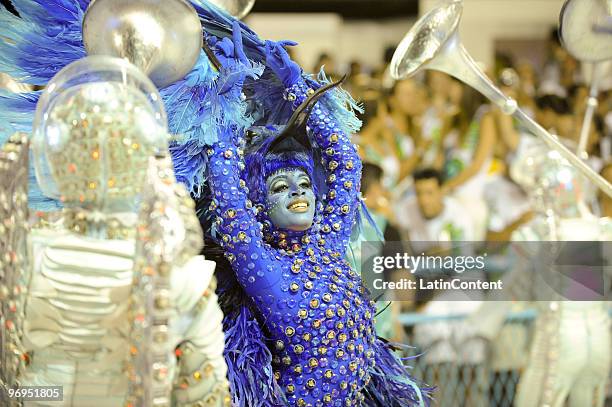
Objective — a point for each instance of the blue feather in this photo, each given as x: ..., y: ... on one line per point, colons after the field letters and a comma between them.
x: 341, y: 104
x: 266, y: 96
x: 34, y: 47
x: 249, y: 361
x: 220, y: 24
x: 16, y: 112
x: 198, y: 108
x: 246, y: 352
x: 391, y: 385
x: 45, y: 39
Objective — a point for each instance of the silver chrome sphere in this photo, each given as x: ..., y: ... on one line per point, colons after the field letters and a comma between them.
x: 237, y: 8
x: 161, y: 37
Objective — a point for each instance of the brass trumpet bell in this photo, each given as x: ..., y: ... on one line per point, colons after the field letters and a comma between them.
x: 161, y: 37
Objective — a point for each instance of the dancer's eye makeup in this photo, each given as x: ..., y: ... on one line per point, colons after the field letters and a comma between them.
x: 279, y: 186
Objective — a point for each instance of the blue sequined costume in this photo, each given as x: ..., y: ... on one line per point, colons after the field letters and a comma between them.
x: 300, y: 331
x: 315, y: 311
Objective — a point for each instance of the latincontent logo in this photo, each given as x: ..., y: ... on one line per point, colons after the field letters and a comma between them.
x: 527, y: 271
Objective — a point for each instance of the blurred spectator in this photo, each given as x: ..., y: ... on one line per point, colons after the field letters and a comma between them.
x: 604, y: 110
x: 431, y: 221
x: 578, y: 96
x: 438, y: 84
x: 554, y: 68
x: 509, y: 207
x: 376, y: 196
x: 472, y: 137
x: 388, y: 139
x: 555, y: 114
x: 429, y: 218
x: 509, y: 135
x: 528, y: 82
x: 548, y: 110
x: 387, y: 322
x: 328, y: 63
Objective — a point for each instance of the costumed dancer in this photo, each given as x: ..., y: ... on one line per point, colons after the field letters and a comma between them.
x: 285, y: 221
x: 569, y: 359
x: 570, y: 353
x: 205, y: 105
x: 113, y: 289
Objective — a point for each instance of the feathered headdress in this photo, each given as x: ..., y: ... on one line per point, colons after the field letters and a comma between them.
x: 272, y: 148
x: 46, y: 36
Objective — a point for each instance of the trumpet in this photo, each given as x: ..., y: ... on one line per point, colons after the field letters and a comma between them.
x: 434, y: 43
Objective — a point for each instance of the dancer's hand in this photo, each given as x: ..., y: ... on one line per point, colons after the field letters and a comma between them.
x: 235, y: 64
x: 279, y: 61
x: 229, y: 51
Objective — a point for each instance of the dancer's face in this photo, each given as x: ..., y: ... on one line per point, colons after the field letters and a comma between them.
x: 290, y: 199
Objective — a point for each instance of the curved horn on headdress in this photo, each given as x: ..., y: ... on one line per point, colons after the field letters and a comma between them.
x: 296, y: 126
x: 211, y: 56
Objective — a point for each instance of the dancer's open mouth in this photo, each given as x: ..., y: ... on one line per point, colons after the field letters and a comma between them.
x: 298, y: 206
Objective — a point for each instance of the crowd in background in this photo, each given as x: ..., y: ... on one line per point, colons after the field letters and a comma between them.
x: 435, y: 122
x: 438, y: 155
x: 438, y: 160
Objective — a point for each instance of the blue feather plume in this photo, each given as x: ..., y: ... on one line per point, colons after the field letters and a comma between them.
x: 47, y: 37
x: 16, y: 112
x: 390, y: 384
x: 249, y: 362
x: 34, y: 47
x: 44, y: 39
x: 340, y: 103
x: 220, y: 24
x: 199, y: 109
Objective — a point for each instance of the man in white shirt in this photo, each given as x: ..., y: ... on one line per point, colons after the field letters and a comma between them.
x: 431, y: 221
x: 429, y: 217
